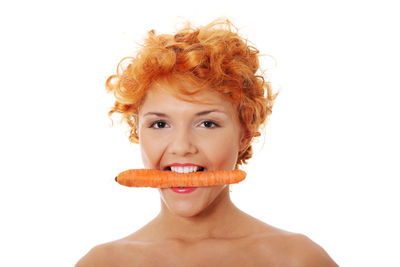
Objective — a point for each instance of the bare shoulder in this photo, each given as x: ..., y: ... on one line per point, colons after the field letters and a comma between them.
x: 111, y: 254
x: 306, y: 252
x: 95, y: 257
x: 292, y: 249
x: 100, y: 255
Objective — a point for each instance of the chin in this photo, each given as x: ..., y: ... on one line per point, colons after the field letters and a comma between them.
x: 185, y: 213
x: 185, y: 209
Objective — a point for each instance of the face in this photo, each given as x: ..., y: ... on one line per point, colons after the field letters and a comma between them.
x: 175, y: 131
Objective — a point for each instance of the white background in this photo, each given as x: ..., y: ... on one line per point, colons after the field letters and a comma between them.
x: 329, y: 166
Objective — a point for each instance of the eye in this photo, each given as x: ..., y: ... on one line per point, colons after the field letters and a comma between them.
x: 209, y: 124
x: 159, y: 124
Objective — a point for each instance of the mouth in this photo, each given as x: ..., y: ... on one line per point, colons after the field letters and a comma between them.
x: 182, y: 170
x: 186, y: 169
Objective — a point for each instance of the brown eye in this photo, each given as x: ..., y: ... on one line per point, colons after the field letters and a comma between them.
x: 209, y: 124
x: 159, y: 124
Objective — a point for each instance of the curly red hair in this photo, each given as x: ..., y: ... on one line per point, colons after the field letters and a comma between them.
x: 213, y: 56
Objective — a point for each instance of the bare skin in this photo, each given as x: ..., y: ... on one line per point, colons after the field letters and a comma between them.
x: 202, y: 228
x: 260, y: 245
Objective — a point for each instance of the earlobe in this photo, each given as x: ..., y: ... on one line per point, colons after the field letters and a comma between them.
x: 244, y: 144
x: 244, y: 141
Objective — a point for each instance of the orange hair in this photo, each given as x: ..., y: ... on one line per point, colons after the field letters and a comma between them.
x: 213, y: 56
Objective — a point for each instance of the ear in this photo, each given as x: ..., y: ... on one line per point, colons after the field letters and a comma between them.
x: 244, y: 139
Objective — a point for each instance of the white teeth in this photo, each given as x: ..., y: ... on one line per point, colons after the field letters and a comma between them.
x: 185, y: 169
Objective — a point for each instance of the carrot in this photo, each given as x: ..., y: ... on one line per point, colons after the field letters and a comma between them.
x: 165, y: 179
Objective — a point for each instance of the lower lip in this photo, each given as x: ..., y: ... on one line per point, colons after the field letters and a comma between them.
x: 184, y: 190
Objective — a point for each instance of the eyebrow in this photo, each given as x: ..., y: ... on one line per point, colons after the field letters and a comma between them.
x: 197, y: 114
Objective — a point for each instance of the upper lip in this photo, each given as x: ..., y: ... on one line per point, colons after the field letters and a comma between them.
x: 182, y: 165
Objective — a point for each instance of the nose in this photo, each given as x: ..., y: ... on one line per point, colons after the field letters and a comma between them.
x: 181, y: 142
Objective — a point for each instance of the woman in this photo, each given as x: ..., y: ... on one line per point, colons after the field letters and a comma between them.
x: 194, y: 102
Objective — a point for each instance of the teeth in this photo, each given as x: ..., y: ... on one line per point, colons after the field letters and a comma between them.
x: 185, y: 169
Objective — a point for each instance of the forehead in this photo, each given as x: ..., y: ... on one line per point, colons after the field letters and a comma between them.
x: 163, y: 96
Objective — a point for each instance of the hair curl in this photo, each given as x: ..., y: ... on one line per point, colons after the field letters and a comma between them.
x: 213, y: 56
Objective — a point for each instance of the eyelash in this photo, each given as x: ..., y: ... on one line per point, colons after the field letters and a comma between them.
x: 154, y: 123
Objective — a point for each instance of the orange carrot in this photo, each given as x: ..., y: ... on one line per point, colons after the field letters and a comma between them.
x: 165, y: 179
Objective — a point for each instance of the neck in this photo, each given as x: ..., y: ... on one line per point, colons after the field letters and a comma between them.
x: 219, y: 220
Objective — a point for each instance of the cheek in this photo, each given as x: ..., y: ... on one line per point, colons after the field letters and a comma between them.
x: 222, y: 148
x: 149, y: 150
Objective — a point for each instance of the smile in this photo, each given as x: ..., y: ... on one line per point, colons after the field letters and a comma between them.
x: 186, y: 169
